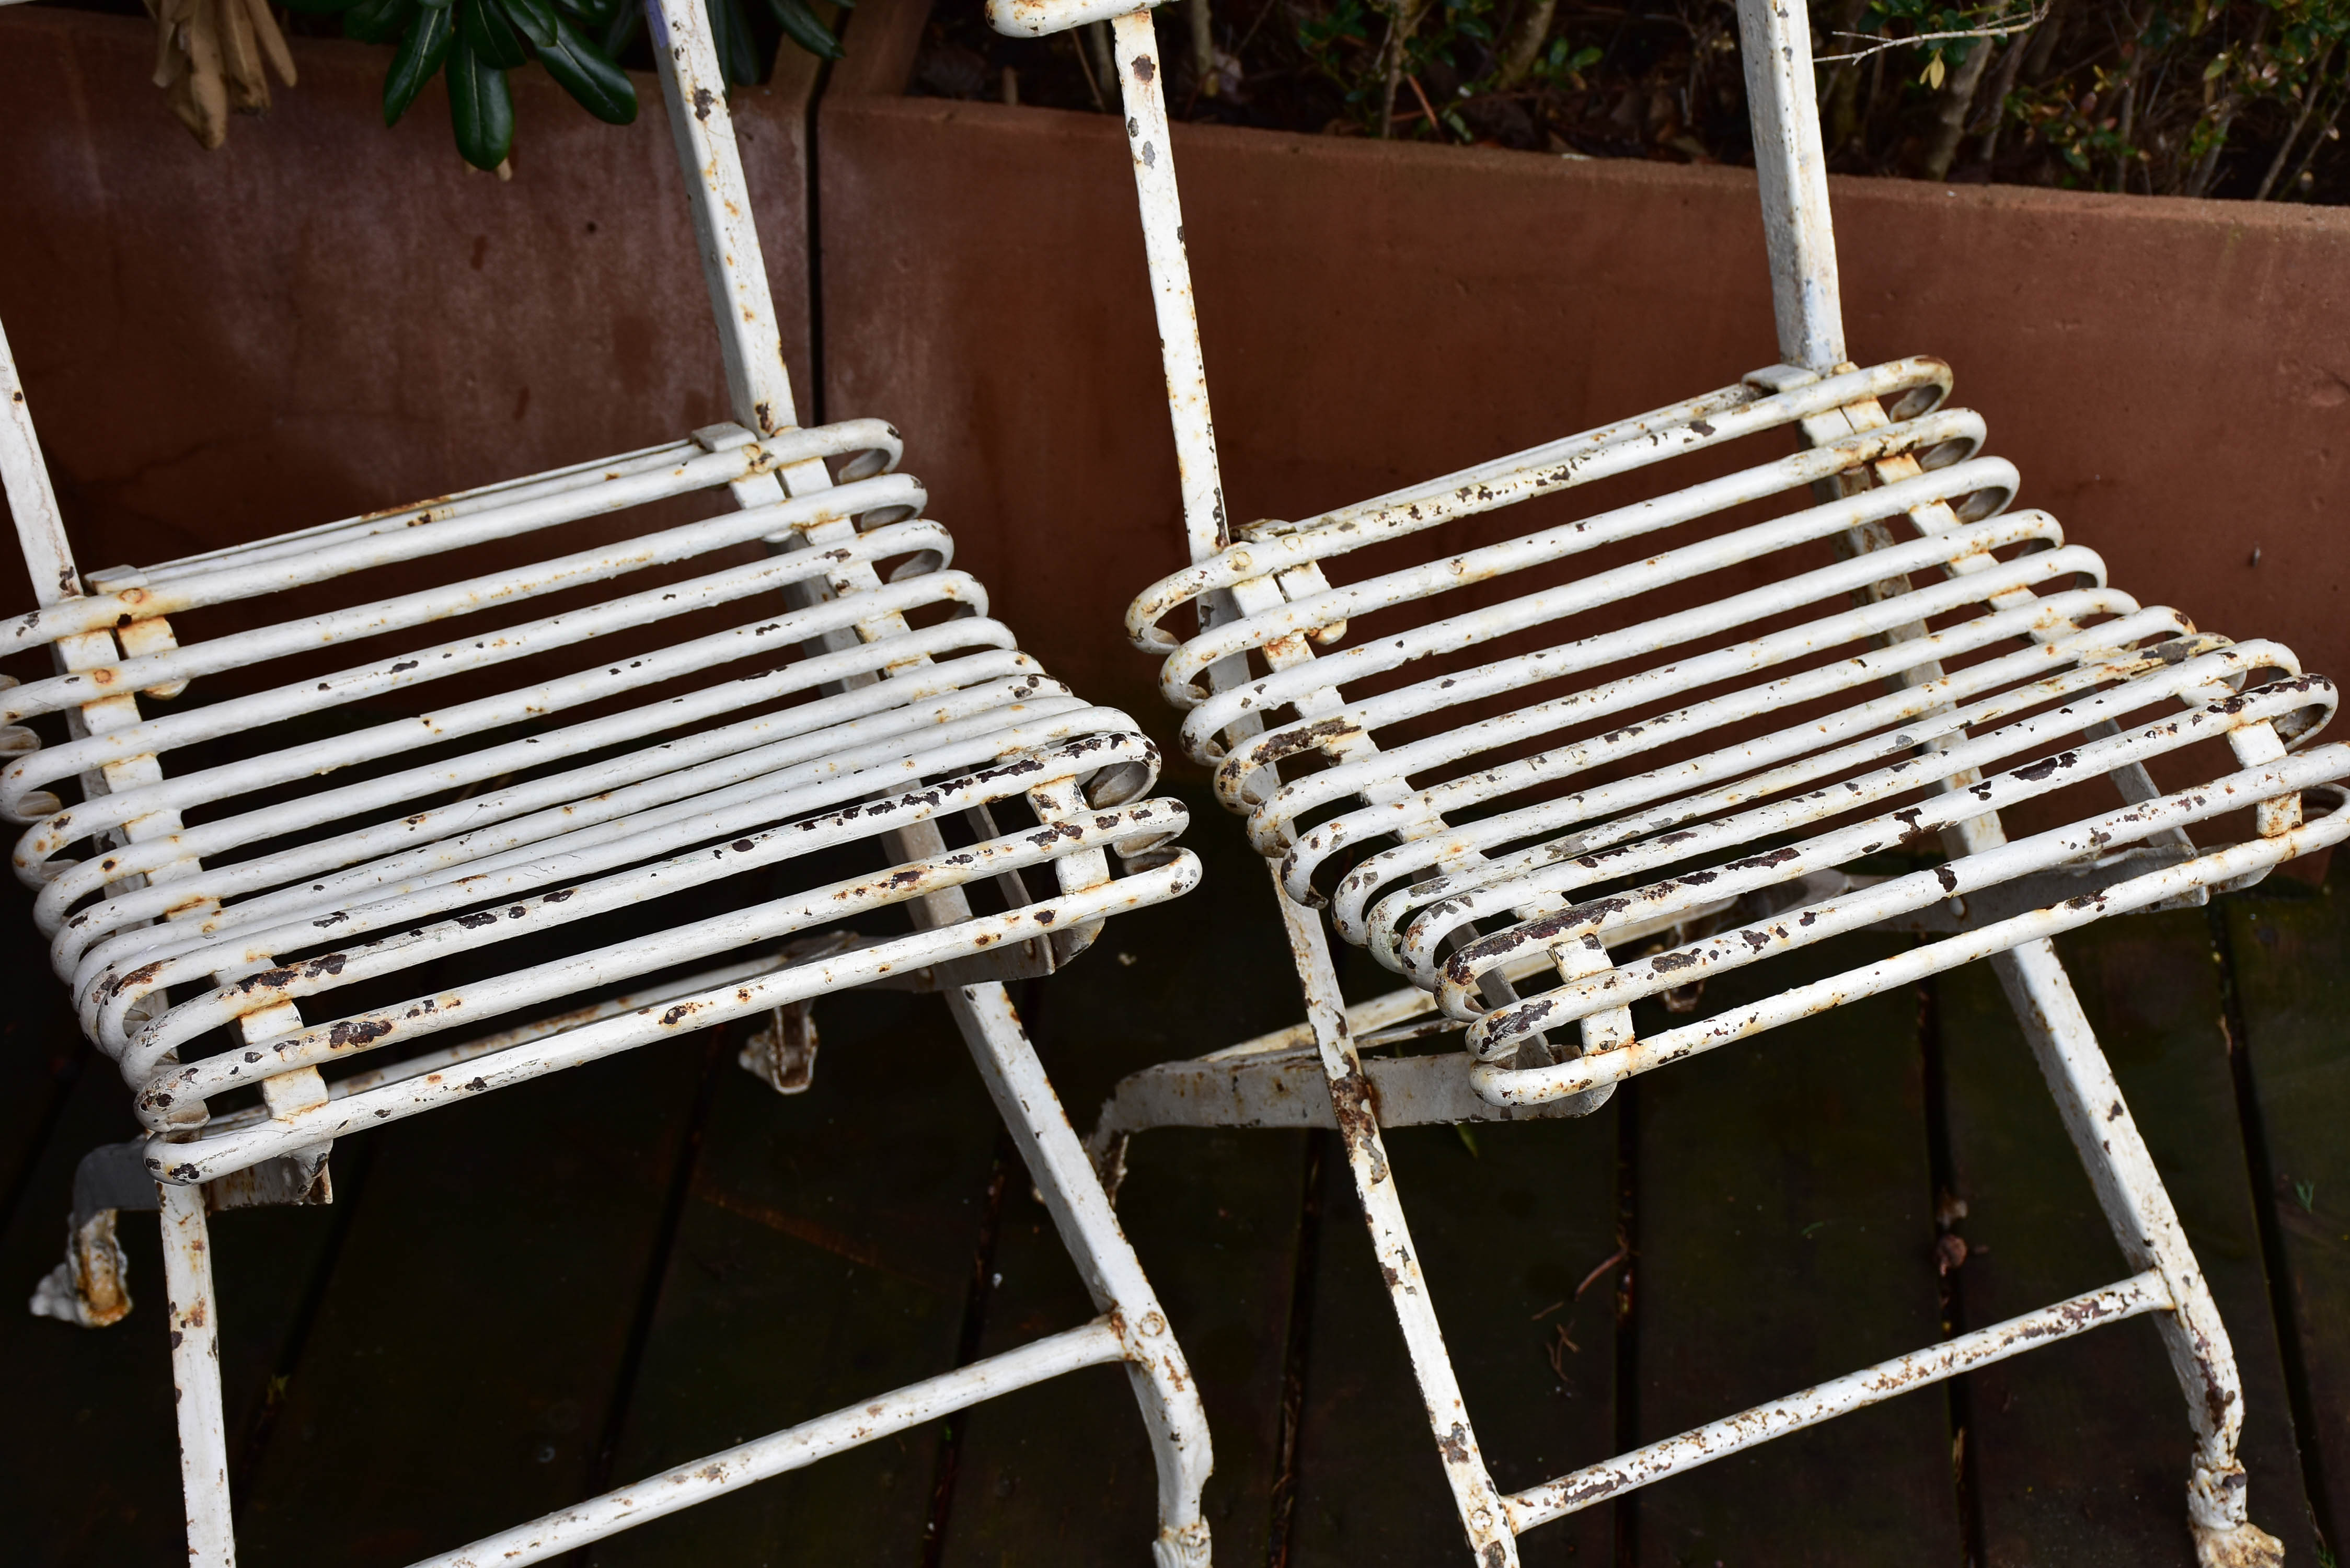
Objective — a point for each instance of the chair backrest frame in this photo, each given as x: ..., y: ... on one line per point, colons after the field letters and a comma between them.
x: 1870, y: 440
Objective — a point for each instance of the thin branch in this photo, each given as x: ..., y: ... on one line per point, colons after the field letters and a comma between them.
x: 2308, y: 101
x: 1092, y: 86
x: 1433, y: 123
x: 1993, y: 30
x: 2002, y: 86
x: 2319, y: 140
x: 1950, y: 114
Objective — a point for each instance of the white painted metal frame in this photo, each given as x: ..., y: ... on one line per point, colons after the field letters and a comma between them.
x: 807, y: 701
x: 1538, y: 833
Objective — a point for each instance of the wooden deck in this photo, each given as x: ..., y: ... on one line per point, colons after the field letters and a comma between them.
x: 517, y: 1301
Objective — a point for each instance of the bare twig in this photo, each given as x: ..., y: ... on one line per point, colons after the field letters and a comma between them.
x: 1990, y: 30
x: 1086, y: 63
x: 2002, y: 85
x: 2199, y: 183
x: 1593, y: 1278
x: 1950, y: 114
x: 1525, y: 44
x: 2135, y: 54
x: 1403, y: 21
x: 1434, y: 125
x: 1240, y: 50
x: 1840, y: 101
x: 2300, y: 121
x: 2320, y: 139
x: 1096, y: 35
x: 1203, y: 51
x: 2044, y: 45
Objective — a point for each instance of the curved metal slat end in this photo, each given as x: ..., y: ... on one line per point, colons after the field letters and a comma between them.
x: 1041, y: 18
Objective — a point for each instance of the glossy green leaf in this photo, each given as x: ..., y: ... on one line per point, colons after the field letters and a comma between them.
x: 377, y: 21
x: 536, y: 18
x: 421, y: 53
x: 483, y: 27
x: 480, y: 110
x: 621, y: 31
x: 802, y: 27
x: 738, y: 59
x: 601, y: 18
x: 588, y: 75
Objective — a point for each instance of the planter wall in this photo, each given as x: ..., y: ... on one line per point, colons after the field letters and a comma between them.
x: 324, y: 317
x: 2172, y: 376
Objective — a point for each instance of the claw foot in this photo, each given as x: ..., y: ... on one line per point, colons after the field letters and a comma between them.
x: 89, y: 1289
x: 1182, y: 1546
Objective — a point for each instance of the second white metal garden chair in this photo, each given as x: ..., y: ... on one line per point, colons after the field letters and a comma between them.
x: 1514, y: 771
x: 790, y: 719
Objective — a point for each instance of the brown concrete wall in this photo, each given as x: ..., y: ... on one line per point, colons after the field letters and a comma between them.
x: 323, y: 317
x: 2172, y: 376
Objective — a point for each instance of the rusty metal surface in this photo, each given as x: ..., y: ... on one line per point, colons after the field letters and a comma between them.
x: 788, y: 716
x: 577, y: 837
x: 1376, y: 313
x: 2141, y: 1293
x: 194, y: 1309
x: 716, y: 1474
x: 1727, y: 736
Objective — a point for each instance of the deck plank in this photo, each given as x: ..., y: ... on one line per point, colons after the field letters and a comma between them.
x: 93, y: 1475
x: 41, y: 1053
x: 824, y: 1253
x: 1507, y: 1222
x: 823, y: 1257
x: 1505, y: 1235
x: 2291, y: 958
x: 1061, y: 1473
x: 2080, y: 1451
x: 1784, y: 1235
x: 466, y: 1346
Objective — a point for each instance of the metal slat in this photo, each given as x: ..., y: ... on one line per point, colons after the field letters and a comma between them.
x: 1492, y: 809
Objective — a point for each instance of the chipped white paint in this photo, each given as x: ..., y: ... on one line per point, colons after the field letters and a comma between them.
x: 1685, y: 723
x: 1775, y: 40
x: 25, y: 481
x: 1148, y: 143
x: 193, y: 1308
x: 1036, y: 18
x: 434, y: 792
x: 794, y: 1448
x: 1718, y: 1439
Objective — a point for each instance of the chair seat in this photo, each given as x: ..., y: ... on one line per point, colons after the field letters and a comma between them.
x: 1685, y: 719
x: 687, y: 769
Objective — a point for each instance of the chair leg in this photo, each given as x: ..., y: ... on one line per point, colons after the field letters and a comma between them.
x: 1113, y: 1274
x: 1492, y: 1543
x: 2131, y: 1192
x: 194, y: 1318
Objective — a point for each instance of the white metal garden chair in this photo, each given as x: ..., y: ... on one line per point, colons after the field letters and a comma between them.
x: 1518, y: 774
x: 277, y: 905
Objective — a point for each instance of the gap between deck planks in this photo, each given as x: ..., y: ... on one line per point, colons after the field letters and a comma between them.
x: 2080, y: 1451
x: 1061, y: 1472
x: 483, y: 1305
x: 2290, y: 953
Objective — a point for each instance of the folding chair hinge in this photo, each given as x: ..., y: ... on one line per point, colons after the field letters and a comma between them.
x: 146, y: 634
x: 91, y: 1287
